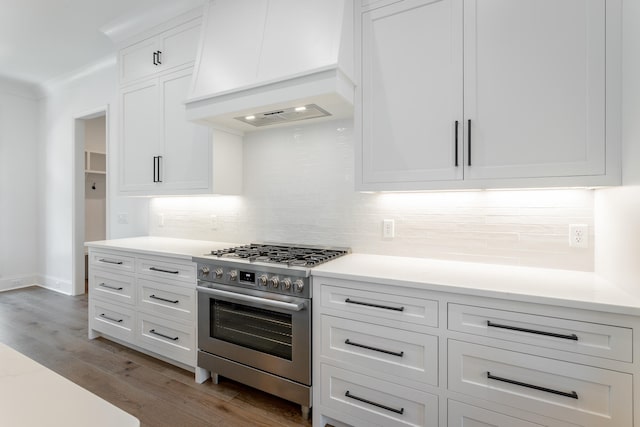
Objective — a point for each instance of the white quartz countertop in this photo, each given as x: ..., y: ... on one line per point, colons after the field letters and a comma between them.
x: 166, y: 246
x: 539, y: 285
x: 32, y: 395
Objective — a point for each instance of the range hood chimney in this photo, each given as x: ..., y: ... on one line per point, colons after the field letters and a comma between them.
x: 273, y: 63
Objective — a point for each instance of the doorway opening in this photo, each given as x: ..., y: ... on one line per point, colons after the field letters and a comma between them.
x: 91, y: 183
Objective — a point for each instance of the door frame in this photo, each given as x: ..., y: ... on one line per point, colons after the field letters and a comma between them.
x: 78, y: 196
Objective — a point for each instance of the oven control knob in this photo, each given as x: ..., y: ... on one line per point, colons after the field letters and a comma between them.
x: 298, y: 285
x: 233, y: 275
x: 262, y: 280
x: 286, y: 284
x: 275, y: 282
x: 204, y: 271
x: 219, y: 272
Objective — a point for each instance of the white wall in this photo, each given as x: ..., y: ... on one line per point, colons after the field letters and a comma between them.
x: 66, y: 99
x: 299, y: 188
x: 19, y: 172
x: 617, y: 210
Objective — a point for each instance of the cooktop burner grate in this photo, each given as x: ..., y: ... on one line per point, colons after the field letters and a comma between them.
x: 298, y: 256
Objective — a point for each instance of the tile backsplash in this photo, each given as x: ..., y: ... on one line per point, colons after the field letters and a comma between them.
x: 298, y: 187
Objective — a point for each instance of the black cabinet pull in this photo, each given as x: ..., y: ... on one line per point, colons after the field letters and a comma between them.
x: 164, y: 299
x: 572, y: 394
x: 153, y: 331
x: 379, y: 405
x: 159, y: 57
x: 155, y: 58
x: 159, y: 170
x: 456, y: 142
x: 108, y: 261
x: 157, y: 176
x: 162, y: 270
x: 111, y: 318
x: 572, y: 337
x: 104, y: 285
x: 469, y: 142
x: 155, y: 170
x: 386, y: 307
x: 393, y: 353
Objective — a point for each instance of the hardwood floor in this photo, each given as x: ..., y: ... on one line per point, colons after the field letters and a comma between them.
x: 51, y: 329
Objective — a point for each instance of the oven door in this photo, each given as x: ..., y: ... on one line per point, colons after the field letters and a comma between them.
x: 266, y: 331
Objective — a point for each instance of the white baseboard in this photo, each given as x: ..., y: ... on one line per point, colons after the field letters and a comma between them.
x: 17, y: 282
x: 55, y: 284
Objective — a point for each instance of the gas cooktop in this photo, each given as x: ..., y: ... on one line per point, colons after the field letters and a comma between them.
x: 291, y: 255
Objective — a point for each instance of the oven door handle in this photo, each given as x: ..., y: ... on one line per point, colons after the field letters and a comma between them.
x: 291, y: 306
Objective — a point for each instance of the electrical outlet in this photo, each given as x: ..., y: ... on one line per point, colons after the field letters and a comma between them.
x: 388, y: 229
x: 578, y: 235
x: 213, y: 219
x: 160, y: 220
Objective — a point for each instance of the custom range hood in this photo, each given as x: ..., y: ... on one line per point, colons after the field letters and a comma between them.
x: 265, y: 63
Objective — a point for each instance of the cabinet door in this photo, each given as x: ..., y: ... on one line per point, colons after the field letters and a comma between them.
x: 140, y: 134
x: 137, y: 61
x: 411, y: 78
x: 534, y: 88
x: 186, y: 153
x: 178, y: 46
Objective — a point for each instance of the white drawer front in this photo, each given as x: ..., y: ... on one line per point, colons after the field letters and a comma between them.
x: 392, y: 351
x: 115, y: 287
x: 167, y: 338
x: 601, y: 397
x: 611, y: 342
x: 463, y: 415
x: 378, y: 403
x: 168, y: 269
x: 113, y: 320
x: 380, y: 305
x: 166, y: 300
x: 113, y: 261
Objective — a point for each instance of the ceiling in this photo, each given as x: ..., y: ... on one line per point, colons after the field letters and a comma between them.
x: 41, y: 40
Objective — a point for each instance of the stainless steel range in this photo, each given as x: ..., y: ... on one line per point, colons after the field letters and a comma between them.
x: 254, y: 316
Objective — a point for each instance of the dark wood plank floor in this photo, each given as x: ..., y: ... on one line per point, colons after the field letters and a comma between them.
x: 51, y: 329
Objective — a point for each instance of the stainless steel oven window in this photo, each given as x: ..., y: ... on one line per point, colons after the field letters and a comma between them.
x: 251, y: 327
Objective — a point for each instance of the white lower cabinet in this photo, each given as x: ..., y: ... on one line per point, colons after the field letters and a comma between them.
x: 463, y: 415
x: 479, y: 361
x: 376, y: 402
x: 167, y: 338
x: 558, y: 389
x: 146, y: 302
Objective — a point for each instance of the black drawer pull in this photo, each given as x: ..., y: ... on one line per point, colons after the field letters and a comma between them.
x: 172, y: 301
x: 108, y: 261
x: 572, y: 337
x: 388, y: 408
x: 386, y: 307
x: 111, y: 318
x: 393, y: 353
x: 572, y: 394
x: 162, y: 270
x: 153, y: 331
x: 104, y: 285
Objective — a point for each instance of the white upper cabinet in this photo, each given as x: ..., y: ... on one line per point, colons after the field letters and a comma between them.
x: 488, y: 94
x: 173, y: 48
x: 535, y: 88
x: 139, y: 136
x: 161, y: 152
x: 412, y: 92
